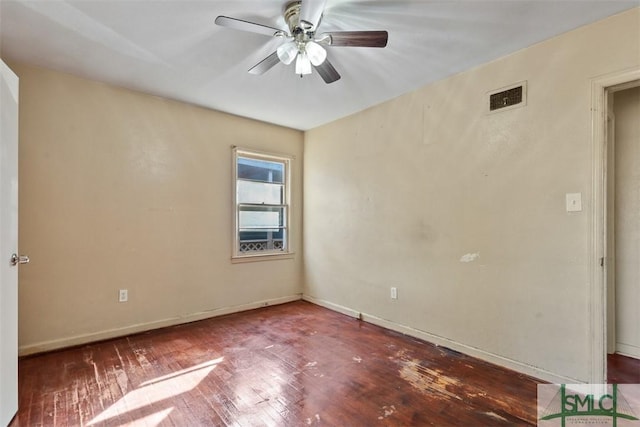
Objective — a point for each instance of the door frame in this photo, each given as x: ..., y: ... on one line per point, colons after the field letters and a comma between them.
x: 598, y: 259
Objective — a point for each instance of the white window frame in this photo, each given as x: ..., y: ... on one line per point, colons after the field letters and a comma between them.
x: 287, y: 160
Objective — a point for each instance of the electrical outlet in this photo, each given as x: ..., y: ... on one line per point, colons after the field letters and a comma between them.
x: 123, y: 295
x: 394, y: 293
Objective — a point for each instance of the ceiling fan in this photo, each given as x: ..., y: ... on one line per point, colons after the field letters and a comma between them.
x: 301, y: 42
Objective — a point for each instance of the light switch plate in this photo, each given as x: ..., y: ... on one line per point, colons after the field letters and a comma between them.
x: 574, y: 202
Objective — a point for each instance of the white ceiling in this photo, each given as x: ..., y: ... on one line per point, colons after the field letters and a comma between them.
x: 172, y: 48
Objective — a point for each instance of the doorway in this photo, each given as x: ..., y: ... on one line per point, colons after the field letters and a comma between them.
x: 622, y: 228
x: 601, y: 259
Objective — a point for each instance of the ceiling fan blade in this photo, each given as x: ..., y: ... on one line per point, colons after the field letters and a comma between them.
x: 265, y: 65
x: 311, y: 12
x: 327, y: 72
x: 356, y: 38
x: 239, y: 24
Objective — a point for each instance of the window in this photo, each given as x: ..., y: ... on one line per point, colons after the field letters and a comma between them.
x: 262, y: 213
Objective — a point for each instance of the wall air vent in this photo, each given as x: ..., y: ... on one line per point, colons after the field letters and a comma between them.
x: 507, y: 98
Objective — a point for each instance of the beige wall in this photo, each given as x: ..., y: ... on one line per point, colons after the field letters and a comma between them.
x: 120, y: 190
x: 403, y: 193
x: 627, y: 217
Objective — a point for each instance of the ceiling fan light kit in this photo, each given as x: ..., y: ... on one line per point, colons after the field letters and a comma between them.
x: 317, y: 54
x: 287, y: 52
x: 303, y: 64
x: 303, y: 18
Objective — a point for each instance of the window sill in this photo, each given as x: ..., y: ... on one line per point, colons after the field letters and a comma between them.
x: 262, y: 257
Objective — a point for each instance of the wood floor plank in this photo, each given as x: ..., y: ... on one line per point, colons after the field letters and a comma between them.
x: 623, y: 369
x: 288, y: 365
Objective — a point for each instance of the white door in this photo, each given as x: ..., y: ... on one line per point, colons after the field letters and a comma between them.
x: 8, y: 244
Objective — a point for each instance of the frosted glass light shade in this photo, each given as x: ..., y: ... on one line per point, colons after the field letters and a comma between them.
x: 316, y: 53
x: 287, y: 52
x: 303, y: 65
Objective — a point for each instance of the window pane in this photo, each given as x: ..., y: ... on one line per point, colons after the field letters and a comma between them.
x: 258, y: 235
x: 259, y: 192
x: 271, y: 218
x: 260, y: 170
x: 259, y: 241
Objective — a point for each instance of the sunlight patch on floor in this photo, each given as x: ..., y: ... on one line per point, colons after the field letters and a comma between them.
x: 155, y: 391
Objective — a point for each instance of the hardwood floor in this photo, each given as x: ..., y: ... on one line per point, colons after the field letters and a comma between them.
x: 622, y: 369
x: 289, y: 365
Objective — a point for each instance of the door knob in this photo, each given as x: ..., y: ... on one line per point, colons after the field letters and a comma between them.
x: 19, y: 259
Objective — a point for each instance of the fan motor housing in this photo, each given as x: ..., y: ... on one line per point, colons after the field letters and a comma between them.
x: 292, y: 15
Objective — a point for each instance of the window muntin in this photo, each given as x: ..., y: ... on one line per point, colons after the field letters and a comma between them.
x: 261, y: 204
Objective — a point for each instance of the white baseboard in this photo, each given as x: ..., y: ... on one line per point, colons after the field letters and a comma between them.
x: 143, y: 327
x: 332, y: 306
x: 628, y: 350
x: 515, y: 365
x: 407, y: 330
